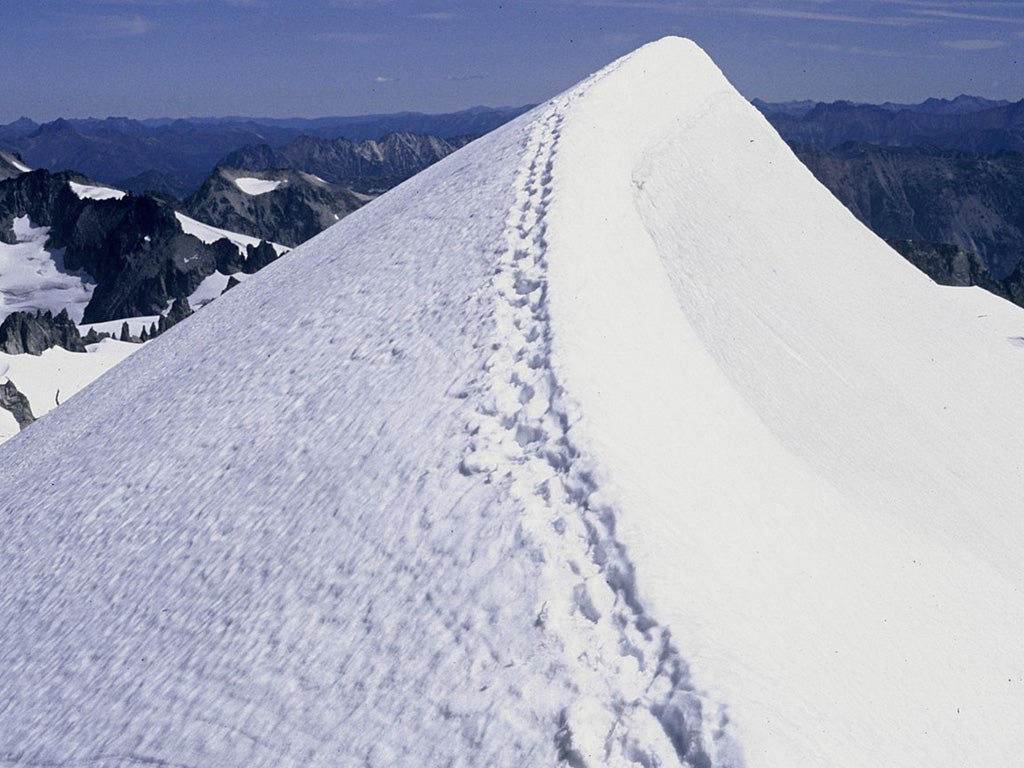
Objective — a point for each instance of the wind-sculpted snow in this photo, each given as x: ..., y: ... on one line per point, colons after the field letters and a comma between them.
x: 569, y: 451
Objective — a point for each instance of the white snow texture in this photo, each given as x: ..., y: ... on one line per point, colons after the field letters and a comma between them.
x: 611, y: 439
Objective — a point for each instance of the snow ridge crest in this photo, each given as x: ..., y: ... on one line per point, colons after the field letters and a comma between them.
x: 633, y: 702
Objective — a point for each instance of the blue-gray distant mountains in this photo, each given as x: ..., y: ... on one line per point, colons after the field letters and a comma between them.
x: 966, y: 123
x: 368, y: 167
x: 174, y: 156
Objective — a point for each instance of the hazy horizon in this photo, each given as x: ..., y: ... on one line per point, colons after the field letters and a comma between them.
x: 152, y: 59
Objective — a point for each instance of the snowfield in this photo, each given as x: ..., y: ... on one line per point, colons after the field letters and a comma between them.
x: 92, y: 192
x: 256, y: 187
x: 49, y: 379
x: 210, y: 235
x: 567, y: 451
x: 33, y: 278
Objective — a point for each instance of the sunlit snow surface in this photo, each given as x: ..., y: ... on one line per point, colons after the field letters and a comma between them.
x: 33, y: 278
x: 210, y: 235
x: 430, y: 490
x: 92, y: 192
x: 256, y: 187
x: 51, y: 378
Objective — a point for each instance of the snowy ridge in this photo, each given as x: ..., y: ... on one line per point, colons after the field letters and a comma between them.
x: 459, y: 465
x: 636, y: 704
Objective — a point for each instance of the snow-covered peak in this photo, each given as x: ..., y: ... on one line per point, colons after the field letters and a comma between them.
x: 567, y: 451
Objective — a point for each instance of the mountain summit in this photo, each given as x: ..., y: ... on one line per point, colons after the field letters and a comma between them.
x: 567, y: 451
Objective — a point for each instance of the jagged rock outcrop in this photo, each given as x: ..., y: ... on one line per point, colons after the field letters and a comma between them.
x: 24, y: 332
x: 15, y: 402
x: 297, y: 208
x: 258, y: 257
x: 133, y: 248
x: 10, y: 166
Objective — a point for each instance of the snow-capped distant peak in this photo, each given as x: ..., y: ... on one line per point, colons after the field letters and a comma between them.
x: 20, y: 165
x: 255, y: 187
x: 90, y: 192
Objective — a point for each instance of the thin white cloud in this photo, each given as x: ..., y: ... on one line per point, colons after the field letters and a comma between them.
x: 973, y: 45
x: 857, y: 50
x: 115, y: 26
x: 437, y: 16
x: 353, y: 38
x: 944, y: 14
x: 842, y: 18
x: 383, y: 79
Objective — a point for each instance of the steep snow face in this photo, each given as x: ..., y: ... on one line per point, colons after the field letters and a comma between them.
x: 568, y: 451
x: 278, y: 560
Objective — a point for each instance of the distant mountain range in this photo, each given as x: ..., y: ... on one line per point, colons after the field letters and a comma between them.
x: 966, y: 123
x: 175, y: 156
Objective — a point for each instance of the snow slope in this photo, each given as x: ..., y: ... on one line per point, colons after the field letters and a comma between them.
x: 93, y: 192
x: 49, y: 379
x: 568, y: 450
x: 210, y: 235
x: 33, y: 278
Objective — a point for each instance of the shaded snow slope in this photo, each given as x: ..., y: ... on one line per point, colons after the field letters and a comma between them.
x: 434, y: 489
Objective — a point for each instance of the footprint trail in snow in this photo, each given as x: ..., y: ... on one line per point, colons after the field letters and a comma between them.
x: 634, y: 704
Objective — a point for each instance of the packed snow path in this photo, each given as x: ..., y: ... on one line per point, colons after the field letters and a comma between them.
x: 635, y: 701
x: 434, y: 488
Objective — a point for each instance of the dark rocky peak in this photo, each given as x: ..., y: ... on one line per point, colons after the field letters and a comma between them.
x: 258, y: 257
x: 23, y: 126
x: 59, y: 127
x: 24, y: 332
x: 46, y: 198
x: 300, y: 207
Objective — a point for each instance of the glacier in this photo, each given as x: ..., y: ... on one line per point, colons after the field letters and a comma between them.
x: 569, y: 450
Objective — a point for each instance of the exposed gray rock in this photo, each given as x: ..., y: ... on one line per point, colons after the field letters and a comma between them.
x: 15, y: 402
x: 300, y: 207
x: 963, y: 199
x: 369, y: 167
x: 23, y: 332
x: 258, y: 257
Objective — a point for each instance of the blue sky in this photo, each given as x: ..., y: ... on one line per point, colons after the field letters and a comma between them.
x: 154, y: 58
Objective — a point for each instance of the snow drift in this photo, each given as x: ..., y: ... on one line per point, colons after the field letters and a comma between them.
x: 610, y: 439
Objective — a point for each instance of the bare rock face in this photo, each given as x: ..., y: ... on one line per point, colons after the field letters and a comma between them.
x: 297, y: 208
x: 15, y: 402
x: 23, y: 332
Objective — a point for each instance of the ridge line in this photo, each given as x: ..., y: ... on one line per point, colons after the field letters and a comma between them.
x: 633, y: 702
